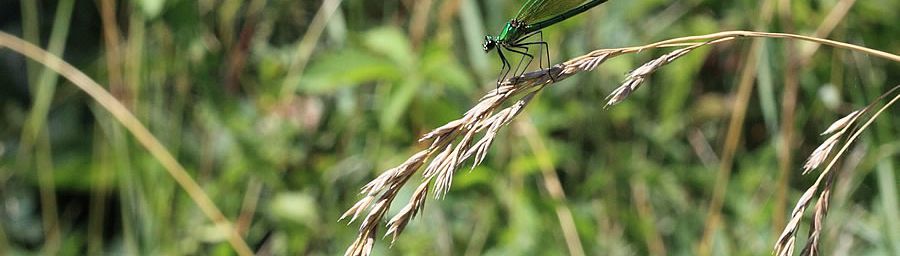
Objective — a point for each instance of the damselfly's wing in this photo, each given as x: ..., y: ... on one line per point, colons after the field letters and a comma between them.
x: 534, y: 11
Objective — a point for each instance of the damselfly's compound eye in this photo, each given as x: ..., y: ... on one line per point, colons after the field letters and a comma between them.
x: 489, y: 43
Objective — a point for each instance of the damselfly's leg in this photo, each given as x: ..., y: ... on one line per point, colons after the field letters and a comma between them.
x: 525, y: 54
x: 505, y: 67
x: 541, y: 53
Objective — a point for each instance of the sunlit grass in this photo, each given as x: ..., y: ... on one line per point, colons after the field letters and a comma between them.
x: 277, y: 112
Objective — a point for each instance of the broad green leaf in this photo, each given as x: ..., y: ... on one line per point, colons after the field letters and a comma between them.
x: 440, y: 66
x: 299, y: 208
x: 151, y: 8
x: 346, y: 68
x: 392, y: 43
x: 398, y: 103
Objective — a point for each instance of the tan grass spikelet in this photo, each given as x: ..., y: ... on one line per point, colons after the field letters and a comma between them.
x: 785, y: 244
x: 452, y: 143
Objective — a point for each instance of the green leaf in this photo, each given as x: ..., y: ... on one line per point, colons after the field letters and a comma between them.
x: 299, y: 208
x: 392, y: 43
x: 151, y: 8
x: 398, y: 103
x: 346, y: 68
x: 439, y: 66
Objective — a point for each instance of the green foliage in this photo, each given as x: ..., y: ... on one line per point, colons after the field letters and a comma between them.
x: 208, y: 78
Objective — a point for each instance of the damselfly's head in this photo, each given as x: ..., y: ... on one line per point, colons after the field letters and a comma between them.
x: 489, y: 43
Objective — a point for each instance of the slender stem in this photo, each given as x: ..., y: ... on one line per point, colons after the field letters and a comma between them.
x: 554, y: 188
x: 738, y: 33
x: 306, y: 46
x: 130, y: 122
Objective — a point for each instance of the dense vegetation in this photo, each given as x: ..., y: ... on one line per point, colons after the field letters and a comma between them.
x: 281, y: 118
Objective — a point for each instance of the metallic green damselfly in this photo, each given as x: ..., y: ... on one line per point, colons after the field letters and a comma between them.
x: 532, y: 17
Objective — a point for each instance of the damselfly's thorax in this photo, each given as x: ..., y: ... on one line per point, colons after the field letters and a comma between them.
x: 513, y: 30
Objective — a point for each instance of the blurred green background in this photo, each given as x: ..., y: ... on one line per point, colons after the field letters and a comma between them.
x: 282, y: 117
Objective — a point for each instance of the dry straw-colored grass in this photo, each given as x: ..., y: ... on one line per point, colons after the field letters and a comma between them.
x: 838, y: 130
x: 470, y: 136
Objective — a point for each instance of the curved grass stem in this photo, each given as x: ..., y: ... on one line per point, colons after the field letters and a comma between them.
x: 140, y: 132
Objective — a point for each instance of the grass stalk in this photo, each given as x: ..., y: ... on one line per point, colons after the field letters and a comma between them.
x: 554, y: 188
x: 133, y: 125
x: 729, y: 149
x: 100, y: 180
x: 784, y: 246
x: 472, y: 134
x: 305, y: 47
x: 111, y: 40
x: 888, y: 191
x: 35, y: 135
x: 829, y: 23
x: 47, y: 186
